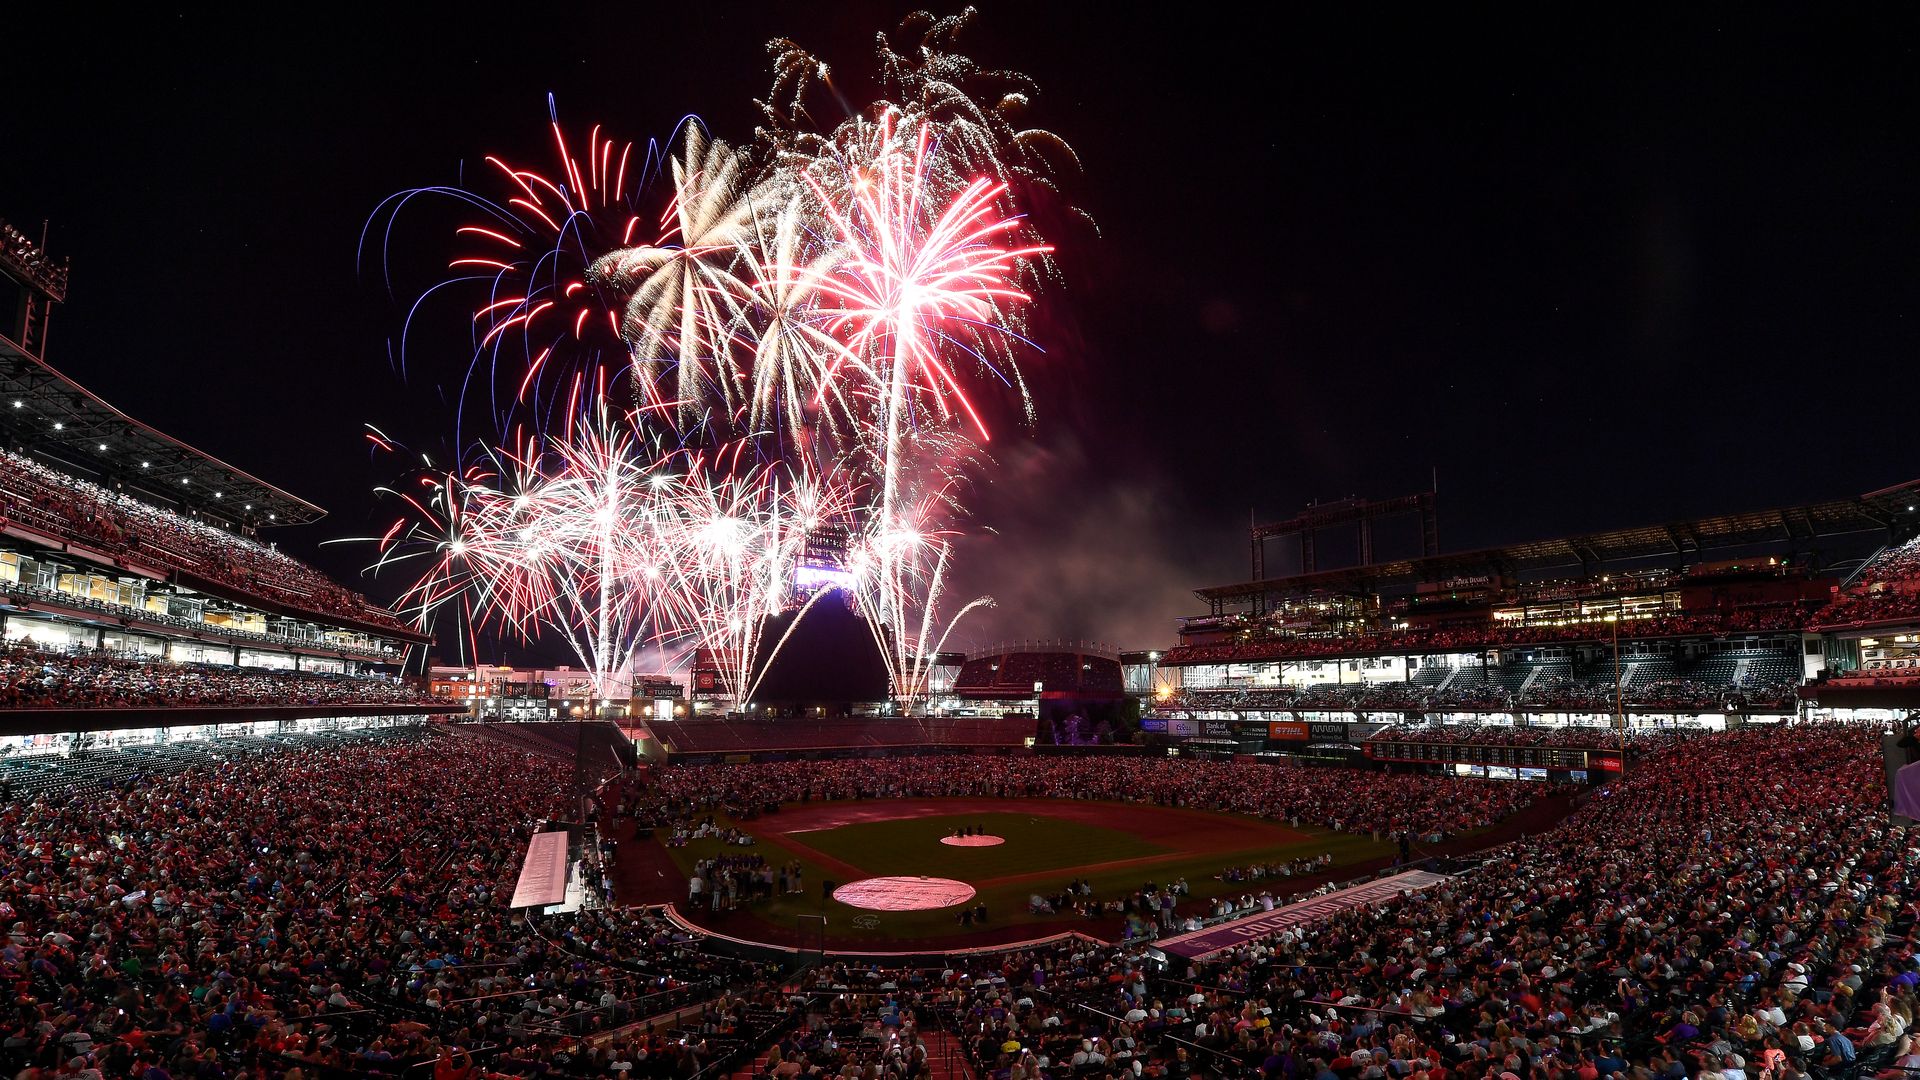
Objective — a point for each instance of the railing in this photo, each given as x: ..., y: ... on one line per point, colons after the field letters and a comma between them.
x: 144, y: 530
x: 1090, y: 648
x: 251, y: 687
x: 725, y: 1064
x: 1213, y: 1061
x: 185, y: 625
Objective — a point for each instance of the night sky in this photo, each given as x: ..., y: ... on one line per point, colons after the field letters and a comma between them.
x: 1594, y: 274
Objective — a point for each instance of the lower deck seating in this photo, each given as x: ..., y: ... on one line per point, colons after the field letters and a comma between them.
x: 743, y: 736
x: 604, y: 747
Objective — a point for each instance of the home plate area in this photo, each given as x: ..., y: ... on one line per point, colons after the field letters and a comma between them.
x: 903, y: 893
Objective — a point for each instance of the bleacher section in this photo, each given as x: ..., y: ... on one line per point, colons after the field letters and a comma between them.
x: 1644, y: 670
x: 1762, y: 680
x: 30, y: 777
x: 71, y: 513
x: 22, y: 595
x: 748, y: 736
x: 1011, y: 673
x: 1754, y: 619
x: 48, y: 681
x: 1773, y: 668
x: 604, y: 747
x: 1886, y: 589
x: 1511, y: 677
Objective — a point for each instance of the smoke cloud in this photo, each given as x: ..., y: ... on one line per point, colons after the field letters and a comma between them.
x: 1074, y: 547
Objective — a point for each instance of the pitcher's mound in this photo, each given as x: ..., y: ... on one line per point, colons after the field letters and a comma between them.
x: 904, y: 893
x: 973, y: 841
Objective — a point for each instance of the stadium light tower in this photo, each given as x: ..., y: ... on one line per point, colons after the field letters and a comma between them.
x: 41, y: 282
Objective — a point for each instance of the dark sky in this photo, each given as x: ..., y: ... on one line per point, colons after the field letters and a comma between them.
x: 1599, y: 273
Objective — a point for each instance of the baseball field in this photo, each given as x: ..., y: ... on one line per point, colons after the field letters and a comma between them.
x: 1114, y: 847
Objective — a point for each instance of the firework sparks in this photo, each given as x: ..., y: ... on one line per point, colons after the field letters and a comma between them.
x: 923, y: 279
x: 565, y: 537
x: 743, y: 532
x: 538, y: 321
x: 898, y: 569
x: 812, y: 326
x: 683, y: 291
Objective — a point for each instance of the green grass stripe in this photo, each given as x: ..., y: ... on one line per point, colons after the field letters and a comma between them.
x: 911, y: 846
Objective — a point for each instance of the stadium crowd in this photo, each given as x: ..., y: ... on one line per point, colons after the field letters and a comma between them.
x: 1549, y: 693
x: 1528, y: 735
x: 1736, y: 906
x: 133, y: 616
x: 1888, y: 587
x: 1854, y: 609
x: 1353, y: 800
x: 34, y: 678
x: 324, y: 912
x: 1898, y: 671
x: 1732, y: 620
x: 39, y: 497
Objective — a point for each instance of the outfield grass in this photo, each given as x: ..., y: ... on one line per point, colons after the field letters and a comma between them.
x: 1035, y: 844
x: 911, y: 846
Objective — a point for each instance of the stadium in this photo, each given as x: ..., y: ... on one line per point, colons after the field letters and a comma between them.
x: 1173, y: 849
x: 663, y: 735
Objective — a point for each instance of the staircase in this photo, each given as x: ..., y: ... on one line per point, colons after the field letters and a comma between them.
x: 945, y: 1058
x: 758, y: 1068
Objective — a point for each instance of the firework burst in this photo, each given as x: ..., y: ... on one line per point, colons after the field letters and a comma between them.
x: 924, y: 280
x: 743, y: 530
x: 898, y: 569
x: 683, y: 291
x: 523, y: 257
x: 819, y: 327
x: 565, y: 535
